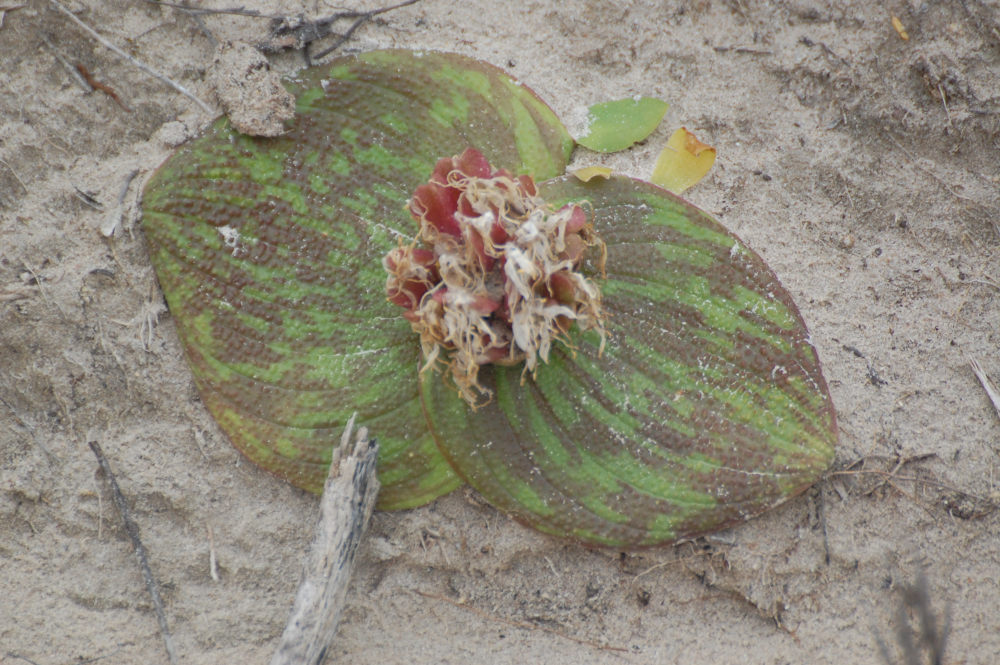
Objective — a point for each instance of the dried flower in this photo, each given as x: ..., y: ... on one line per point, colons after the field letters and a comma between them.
x: 492, y: 276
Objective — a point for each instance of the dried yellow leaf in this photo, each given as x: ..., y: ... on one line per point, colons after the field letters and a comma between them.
x: 898, y: 25
x: 683, y: 163
x: 589, y: 172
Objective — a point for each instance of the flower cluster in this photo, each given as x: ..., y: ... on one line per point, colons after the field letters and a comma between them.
x: 492, y: 275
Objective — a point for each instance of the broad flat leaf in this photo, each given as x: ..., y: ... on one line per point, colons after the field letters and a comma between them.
x: 706, y: 407
x: 613, y: 126
x: 269, y: 253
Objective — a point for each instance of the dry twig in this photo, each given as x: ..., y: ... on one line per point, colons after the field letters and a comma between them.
x: 303, y: 34
x: 117, y: 213
x: 73, y: 71
x: 16, y: 177
x: 201, y: 11
x: 9, y: 8
x: 987, y: 383
x: 977, y: 506
x: 295, y: 32
x: 144, y: 67
x: 213, y: 566
x: 140, y: 551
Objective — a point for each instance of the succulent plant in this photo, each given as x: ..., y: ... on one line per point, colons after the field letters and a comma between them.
x: 600, y: 360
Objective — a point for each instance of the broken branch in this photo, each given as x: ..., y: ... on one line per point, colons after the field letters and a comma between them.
x: 345, y: 508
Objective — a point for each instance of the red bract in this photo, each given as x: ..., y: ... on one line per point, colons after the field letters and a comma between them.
x: 437, y: 201
x: 491, y: 277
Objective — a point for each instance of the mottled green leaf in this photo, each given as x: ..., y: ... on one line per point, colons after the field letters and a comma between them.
x: 269, y: 253
x: 613, y: 126
x: 706, y: 407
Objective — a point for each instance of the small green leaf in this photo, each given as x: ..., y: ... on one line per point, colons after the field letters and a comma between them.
x: 614, y: 126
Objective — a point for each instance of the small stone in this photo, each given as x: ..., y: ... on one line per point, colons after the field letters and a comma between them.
x: 250, y: 93
x: 173, y: 133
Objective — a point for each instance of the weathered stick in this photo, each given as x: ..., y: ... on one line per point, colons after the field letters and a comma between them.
x: 345, y: 508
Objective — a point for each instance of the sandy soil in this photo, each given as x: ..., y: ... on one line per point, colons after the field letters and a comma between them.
x: 863, y: 167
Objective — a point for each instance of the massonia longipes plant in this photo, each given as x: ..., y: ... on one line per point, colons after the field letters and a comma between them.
x: 600, y: 360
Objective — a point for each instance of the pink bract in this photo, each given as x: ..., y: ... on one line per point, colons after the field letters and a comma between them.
x: 492, y: 275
